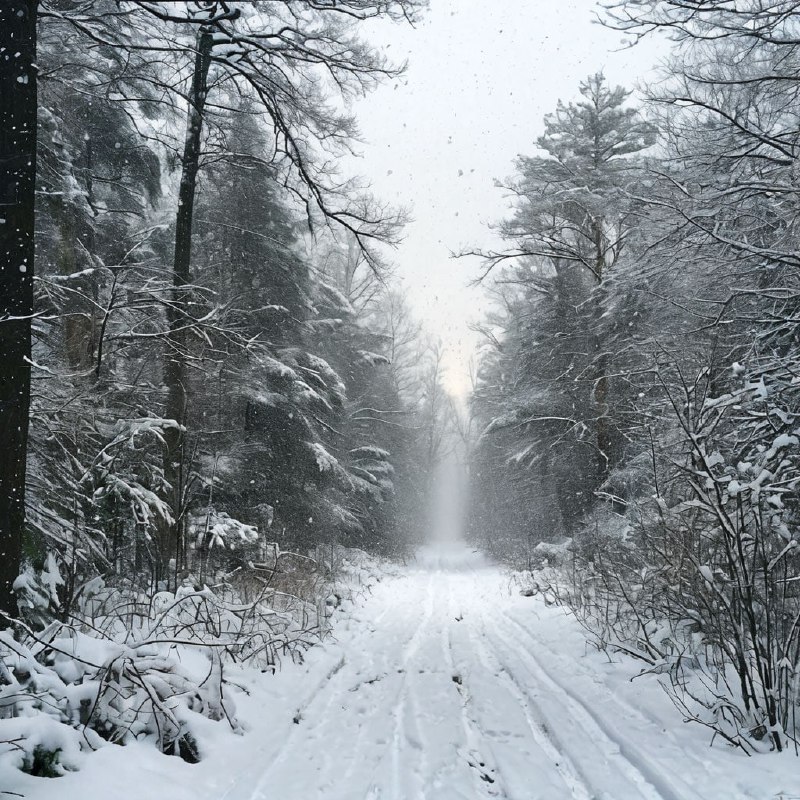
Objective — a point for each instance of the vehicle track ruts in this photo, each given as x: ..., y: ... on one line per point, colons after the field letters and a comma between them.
x: 648, y: 779
x: 477, y: 741
x: 569, y: 773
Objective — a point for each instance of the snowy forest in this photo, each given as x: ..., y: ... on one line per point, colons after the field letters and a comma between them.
x: 257, y: 539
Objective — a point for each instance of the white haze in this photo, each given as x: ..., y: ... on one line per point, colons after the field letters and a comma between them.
x: 481, y: 77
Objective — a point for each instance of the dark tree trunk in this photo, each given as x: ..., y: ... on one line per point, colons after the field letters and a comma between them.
x: 17, y: 181
x: 604, y: 440
x: 598, y: 354
x: 175, y: 360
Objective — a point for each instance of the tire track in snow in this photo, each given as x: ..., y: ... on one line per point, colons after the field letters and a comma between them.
x: 477, y: 741
x: 568, y: 772
x: 324, y: 689
x: 624, y: 707
x: 331, y: 690
x: 399, y: 731
x: 650, y: 780
x: 409, y: 650
x: 571, y: 769
x: 256, y: 774
x: 654, y: 774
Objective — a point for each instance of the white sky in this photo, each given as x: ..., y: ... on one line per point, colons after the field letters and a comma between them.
x: 481, y: 76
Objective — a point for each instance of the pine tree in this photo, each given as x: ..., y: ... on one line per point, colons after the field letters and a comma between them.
x: 553, y: 391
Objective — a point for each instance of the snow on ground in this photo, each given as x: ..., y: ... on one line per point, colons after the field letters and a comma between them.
x: 446, y: 683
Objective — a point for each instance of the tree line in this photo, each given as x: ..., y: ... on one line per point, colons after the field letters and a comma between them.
x: 213, y: 393
x: 208, y: 351
x: 636, y: 395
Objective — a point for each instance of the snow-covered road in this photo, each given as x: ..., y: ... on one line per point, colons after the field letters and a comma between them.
x: 445, y: 683
x: 442, y: 692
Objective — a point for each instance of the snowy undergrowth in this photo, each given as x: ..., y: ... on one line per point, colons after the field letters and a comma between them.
x: 166, y: 669
x: 376, y: 711
x: 699, y: 664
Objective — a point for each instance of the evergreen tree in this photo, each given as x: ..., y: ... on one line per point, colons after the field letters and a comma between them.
x: 569, y: 303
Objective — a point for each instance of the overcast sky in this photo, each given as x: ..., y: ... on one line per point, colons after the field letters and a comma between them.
x: 481, y: 77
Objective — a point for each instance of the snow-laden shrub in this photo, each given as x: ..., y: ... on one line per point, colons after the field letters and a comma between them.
x: 37, y: 592
x: 74, y: 690
x: 43, y: 712
x: 146, y: 692
x: 40, y: 745
x: 132, y: 666
x: 216, y: 529
x: 700, y: 579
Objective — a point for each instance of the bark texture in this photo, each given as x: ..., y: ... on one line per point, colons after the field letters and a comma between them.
x: 17, y: 181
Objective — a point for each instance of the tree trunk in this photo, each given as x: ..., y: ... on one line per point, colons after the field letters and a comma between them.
x: 175, y: 363
x: 17, y: 182
x: 604, y: 442
x: 600, y: 358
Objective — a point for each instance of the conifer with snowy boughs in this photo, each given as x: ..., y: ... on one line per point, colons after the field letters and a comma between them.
x: 566, y: 311
x: 105, y: 241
